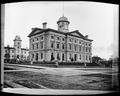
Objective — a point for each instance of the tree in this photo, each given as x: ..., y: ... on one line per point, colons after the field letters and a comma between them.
x: 116, y: 61
x: 96, y: 59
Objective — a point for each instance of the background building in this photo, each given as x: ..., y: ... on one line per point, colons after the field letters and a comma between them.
x: 16, y: 52
x: 47, y: 44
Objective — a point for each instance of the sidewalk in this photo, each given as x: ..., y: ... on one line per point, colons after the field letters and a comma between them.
x: 53, y: 91
x: 64, y: 71
x: 39, y: 67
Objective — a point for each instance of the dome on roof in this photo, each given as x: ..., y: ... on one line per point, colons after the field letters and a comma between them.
x: 63, y: 18
x: 17, y: 37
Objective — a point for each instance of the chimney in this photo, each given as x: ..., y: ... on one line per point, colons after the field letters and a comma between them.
x: 33, y: 29
x: 8, y: 45
x: 86, y: 36
x: 44, y: 25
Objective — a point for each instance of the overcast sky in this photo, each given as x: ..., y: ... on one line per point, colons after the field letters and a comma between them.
x: 97, y: 20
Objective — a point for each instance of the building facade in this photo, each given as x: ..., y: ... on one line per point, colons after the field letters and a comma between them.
x: 48, y: 44
x: 16, y: 52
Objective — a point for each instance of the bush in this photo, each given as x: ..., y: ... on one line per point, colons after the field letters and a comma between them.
x: 43, y: 62
x: 71, y: 63
x: 92, y: 64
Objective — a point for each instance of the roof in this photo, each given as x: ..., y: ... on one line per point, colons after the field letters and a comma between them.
x: 39, y: 31
x: 25, y: 49
x: 43, y: 30
x: 77, y: 32
x: 9, y: 47
x: 63, y: 18
x: 17, y: 38
x: 14, y: 48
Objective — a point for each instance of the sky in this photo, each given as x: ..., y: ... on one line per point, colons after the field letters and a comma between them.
x: 97, y: 20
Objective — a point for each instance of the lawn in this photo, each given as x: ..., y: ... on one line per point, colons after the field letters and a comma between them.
x: 36, y: 79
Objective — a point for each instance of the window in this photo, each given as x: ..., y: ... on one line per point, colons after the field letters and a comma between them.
x: 58, y: 38
x: 52, y: 57
x: 89, y: 49
x: 32, y: 55
x: 58, y: 57
x: 52, y: 37
x: 18, y: 43
x: 86, y: 49
x: 75, y: 41
x: 33, y: 40
x: 52, y: 45
x: 89, y: 44
x: 86, y: 57
x: 5, y: 51
x: 79, y: 48
x: 79, y: 42
x: 75, y: 57
x: 70, y: 56
x: 80, y: 57
x: 37, y: 39
x: 70, y: 40
x: 33, y: 46
x: 63, y: 39
x: 41, y: 55
x: 70, y: 46
x: 41, y: 45
x: 37, y: 45
x: 42, y: 38
x: 63, y: 57
x: 17, y: 51
x: 83, y: 49
x: 36, y: 56
x: 58, y: 45
x: 12, y: 51
x: 90, y: 58
x: 75, y: 47
x: 63, y: 46
x: 25, y: 52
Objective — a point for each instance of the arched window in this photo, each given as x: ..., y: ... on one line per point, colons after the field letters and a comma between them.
x: 58, y: 57
x: 52, y: 57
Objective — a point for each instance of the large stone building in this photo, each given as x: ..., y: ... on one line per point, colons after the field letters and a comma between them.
x: 16, y: 52
x: 48, y: 44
